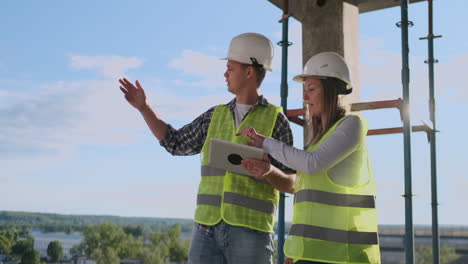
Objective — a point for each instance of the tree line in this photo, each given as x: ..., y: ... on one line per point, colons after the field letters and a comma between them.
x: 53, y: 223
x: 105, y: 243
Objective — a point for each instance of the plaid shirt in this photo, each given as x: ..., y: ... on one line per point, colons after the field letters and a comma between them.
x: 189, y: 139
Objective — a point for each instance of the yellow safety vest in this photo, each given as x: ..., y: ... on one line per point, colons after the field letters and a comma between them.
x: 335, y: 223
x: 239, y: 200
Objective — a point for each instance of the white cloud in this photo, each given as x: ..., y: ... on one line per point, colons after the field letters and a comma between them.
x: 3, y: 93
x: 379, y: 67
x: 205, y: 83
x: 29, y: 121
x: 182, y: 108
x: 209, y: 69
x: 381, y: 71
x: 381, y: 78
x: 449, y: 75
x: 56, y: 118
x: 108, y: 66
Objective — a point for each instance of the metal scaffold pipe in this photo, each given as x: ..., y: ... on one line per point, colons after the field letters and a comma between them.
x: 409, y: 228
x: 284, y: 43
x: 432, y: 138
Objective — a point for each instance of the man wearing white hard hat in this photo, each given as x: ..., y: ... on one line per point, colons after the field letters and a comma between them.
x: 235, y: 213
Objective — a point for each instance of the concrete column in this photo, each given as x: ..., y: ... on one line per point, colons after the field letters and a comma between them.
x: 331, y: 25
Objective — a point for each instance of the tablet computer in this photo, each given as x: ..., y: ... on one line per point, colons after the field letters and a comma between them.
x: 228, y: 155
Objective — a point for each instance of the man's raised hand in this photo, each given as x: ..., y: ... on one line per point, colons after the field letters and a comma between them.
x: 135, y: 94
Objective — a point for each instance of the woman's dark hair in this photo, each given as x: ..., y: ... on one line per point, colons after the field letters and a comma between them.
x: 332, y: 87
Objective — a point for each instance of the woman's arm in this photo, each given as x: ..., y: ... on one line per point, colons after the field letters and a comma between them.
x: 264, y: 170
x: 334, y: 149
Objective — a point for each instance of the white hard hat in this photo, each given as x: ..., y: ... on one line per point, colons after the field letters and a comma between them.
x: 252, y: 49
x: 326, y: 64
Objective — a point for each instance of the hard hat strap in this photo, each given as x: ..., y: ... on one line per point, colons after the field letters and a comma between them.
x: 255, y: 63
x: 347, y: 91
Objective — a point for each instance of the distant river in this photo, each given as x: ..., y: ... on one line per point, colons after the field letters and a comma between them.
x: 42, y: 240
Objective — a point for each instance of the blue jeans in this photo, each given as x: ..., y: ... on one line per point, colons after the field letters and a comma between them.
x: 227, y: 244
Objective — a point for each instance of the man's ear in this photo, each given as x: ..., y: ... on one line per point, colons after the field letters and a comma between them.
x: 250, y: 72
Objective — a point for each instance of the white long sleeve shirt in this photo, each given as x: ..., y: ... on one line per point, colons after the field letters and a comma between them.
x: 333, y: 155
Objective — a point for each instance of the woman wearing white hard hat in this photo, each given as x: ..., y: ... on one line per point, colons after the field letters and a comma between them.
x: 335, y: 219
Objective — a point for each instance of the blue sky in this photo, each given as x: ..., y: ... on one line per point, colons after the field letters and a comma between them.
x: 69, y: 143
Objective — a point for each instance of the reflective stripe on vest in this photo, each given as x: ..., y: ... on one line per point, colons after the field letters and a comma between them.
x: 211, y: 171
x: 349, y: 200
x: 209, y: 199
x: 249, y: 202
x: 237, y: 199
x: 322, y: 233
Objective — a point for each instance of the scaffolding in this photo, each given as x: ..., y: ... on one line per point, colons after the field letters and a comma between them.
x: 402, y: 104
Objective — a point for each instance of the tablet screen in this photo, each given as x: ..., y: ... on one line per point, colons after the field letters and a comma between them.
x: 228, y: 155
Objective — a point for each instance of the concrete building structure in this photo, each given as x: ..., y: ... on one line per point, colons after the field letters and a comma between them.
x: 333, y: 25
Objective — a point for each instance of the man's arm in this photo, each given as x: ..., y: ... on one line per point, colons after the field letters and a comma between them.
x: 136, y: 97
x: 187, y: 140
x: 157, y: 126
